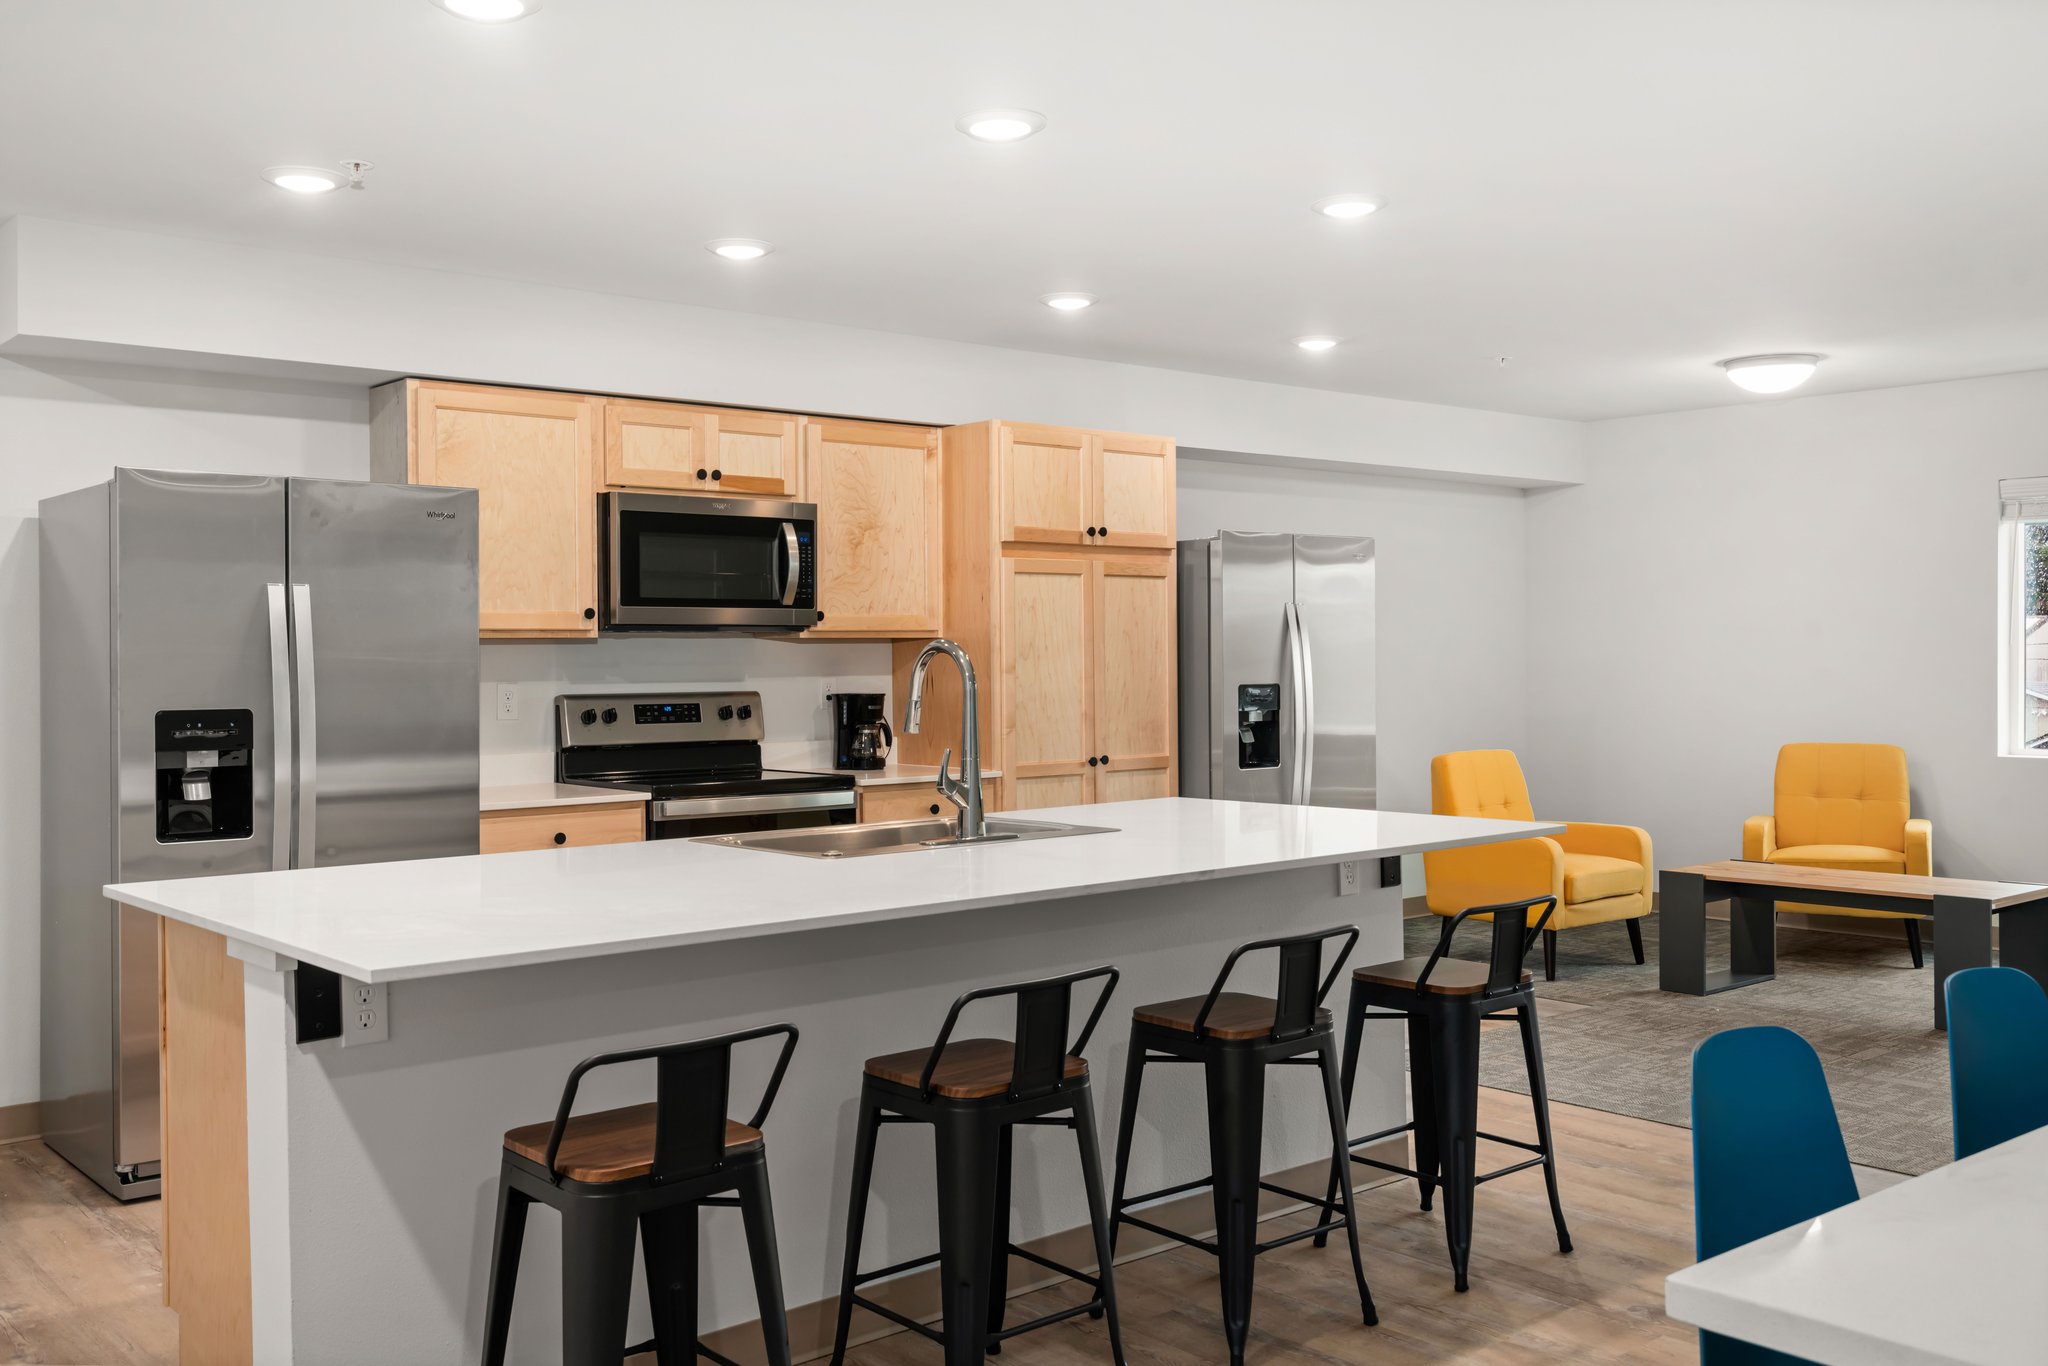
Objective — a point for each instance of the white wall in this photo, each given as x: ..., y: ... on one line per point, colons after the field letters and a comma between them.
x: 1811, y: 569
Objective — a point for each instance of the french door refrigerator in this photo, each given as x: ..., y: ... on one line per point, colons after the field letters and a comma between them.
x: 1278, y: 696
x: 238, y: 674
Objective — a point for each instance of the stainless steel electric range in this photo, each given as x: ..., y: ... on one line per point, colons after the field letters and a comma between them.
x: 698, y: 756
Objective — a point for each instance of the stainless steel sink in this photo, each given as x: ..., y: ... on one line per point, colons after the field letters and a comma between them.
x: 895, y: 837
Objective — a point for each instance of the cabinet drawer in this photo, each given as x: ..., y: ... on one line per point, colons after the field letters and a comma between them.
x: 545, y: 827
x: 907, y: 803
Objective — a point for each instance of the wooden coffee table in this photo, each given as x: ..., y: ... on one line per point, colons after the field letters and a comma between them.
x: 1962, y: 909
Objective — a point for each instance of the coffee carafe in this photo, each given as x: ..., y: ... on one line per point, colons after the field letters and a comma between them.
x: 861, y: 737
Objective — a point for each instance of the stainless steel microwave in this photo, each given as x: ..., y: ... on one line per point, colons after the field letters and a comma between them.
x: 678, y: 562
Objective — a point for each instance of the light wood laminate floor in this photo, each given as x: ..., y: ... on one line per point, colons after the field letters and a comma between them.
x: 80, y: 1275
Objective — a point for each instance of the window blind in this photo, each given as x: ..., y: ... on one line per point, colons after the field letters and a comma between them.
x: 2023, y: 500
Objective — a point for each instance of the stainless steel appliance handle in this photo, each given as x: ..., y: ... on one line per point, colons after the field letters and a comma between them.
x: 1307, y: 710
x: 308, y: 731
x: 771, y: 803
x: 1297, y: 686
x: 280, y: 730
x: 789, y: 584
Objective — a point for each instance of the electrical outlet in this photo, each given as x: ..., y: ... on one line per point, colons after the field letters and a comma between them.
x: 508, y: 702
x: 1347, y: 878
x: 365, y: 1012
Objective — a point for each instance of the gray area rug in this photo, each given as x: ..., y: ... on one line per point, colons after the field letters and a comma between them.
x: 1612, y: 1041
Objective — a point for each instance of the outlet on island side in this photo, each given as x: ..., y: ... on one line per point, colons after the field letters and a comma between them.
x: 1347, y: 878
x: 365, y: 1012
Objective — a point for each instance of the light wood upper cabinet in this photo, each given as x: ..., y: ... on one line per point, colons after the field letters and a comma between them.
x: 1133, y: 485
x: 880, y: 527
x: 535, y: 460
x: 682, y: 448
x: 1133, y: 718
x: 1043, y: 483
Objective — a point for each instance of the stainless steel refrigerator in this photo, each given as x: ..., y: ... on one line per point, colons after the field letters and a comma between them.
x: 1278, y: 695
x: 238, y: 674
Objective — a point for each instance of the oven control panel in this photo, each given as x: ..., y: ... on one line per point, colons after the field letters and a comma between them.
x: 656, y: 718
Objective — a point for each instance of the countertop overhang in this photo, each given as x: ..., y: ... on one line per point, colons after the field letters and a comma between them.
x: 387, y: 922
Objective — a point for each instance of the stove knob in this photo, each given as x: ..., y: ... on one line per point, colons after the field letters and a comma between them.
x: 725, y: 713
x: 746, y: 712
x: 611, y: 714
x: 589, y: 717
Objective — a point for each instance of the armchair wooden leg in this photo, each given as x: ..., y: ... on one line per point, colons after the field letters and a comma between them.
x: 1635, y: 938
x: 1550, y: 955
x: 1913, y: 943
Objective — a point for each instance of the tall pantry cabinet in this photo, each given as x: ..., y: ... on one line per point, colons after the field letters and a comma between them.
x: 1059, y: 582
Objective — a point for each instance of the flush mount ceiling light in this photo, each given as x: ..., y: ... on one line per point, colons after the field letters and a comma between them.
x: 1347, y: 207
x: 738, y: 248
x: 1068, y: 302
x: 1771, y: 374
x: 1316, y: 343
x: 489, y: 11
x: 1001, y: 125
x: 305, y: 179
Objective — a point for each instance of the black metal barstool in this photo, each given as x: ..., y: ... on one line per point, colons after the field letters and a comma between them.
x: 974, y: 1092
x: 1444, y: 1001
x: 1236, y: 1037
x: 648, y: 1168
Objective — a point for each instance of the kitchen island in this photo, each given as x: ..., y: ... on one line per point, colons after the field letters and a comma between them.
x: 331, y: 1204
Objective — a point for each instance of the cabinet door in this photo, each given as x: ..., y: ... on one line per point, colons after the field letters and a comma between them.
x: 756, y: 453
x: 1043, y: 475
x: 1045, y: 694
x: 504, y: 832
x: 876, y: 487
x: 1133, y: 674
x: 654, y: 445
x: 533, y: 459
x: 912, y: 802
x: 1133, y: 490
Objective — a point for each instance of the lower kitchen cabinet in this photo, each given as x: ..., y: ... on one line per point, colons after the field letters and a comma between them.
x: 551, y: 827
x: 908, y: 803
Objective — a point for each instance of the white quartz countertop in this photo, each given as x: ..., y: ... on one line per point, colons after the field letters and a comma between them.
x: 385, y: 922
x: 1942, y: 1270
x: 523, y: 796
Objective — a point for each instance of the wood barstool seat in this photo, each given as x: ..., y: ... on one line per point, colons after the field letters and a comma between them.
x: 968, y: 1069
x: 1235, y: 1017
x: 1452, y: 976
x: 611, y: 1145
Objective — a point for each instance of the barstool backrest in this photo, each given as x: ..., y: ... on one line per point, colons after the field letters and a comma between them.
x: 1303, y: 983
x: 692, y: 1092
x: 1044, y: 1017
x: 1513, y: 936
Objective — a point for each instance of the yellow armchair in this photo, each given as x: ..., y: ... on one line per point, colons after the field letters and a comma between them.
x: 1843, y: 806
x: 1598, y: 873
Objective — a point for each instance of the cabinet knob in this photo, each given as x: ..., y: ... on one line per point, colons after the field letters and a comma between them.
x: 1102, y: 531
x: 1091, y: 531
x: 1105, y: 761
x: 935, y: 808
x: 717, y: 475
x: 590, y: 614
x: 1091, y: 761
x: 703, y: 474
x: 561, y: 838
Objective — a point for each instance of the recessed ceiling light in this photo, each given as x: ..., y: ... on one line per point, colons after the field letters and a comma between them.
x: 489, y: 11
x: 304, y: 179
x: 1316, y: 343
x: 1068, y: 302
x: 739, y: 248
x: 1001, y: 125
x: 1346, y: 206
x: 1771, y: 374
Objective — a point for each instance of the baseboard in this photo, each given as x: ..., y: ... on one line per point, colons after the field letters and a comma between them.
x: 19, y: 1123
x: 916, y: 1296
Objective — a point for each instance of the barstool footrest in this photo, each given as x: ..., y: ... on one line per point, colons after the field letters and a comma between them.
x: 1133, y: 1201
x: 868, y: 1277
x: 1166, y: 1232
x: 1319, y: 1202
x: 647, y: 1347
x: 1048, y: 1320
x: 900, y: 1320
x: 1511, y: 1142
x: 1510, y: 1170
x: 1313, y: 1230
x: 1092, y: 1282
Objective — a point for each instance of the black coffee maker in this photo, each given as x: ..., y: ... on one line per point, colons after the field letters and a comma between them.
x: 861, y: 738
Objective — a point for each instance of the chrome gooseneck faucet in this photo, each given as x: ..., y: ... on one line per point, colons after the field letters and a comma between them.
x: 964, y: 791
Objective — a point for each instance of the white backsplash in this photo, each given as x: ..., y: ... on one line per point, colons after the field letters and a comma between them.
x: 791, y: 676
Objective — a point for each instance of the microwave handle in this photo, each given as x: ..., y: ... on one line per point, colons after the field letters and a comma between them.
x: 789, y: 583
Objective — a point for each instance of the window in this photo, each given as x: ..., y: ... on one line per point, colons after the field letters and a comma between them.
x: 2023, y: 616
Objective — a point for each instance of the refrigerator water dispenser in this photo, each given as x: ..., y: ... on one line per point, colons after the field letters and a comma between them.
x: 1258, y: 725
x: 203, y: 789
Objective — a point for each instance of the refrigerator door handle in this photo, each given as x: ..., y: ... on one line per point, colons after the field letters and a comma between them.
x: 1306, y: 710
x: 281, y: 730
x: 308, y: 735
x: 1298, y: 684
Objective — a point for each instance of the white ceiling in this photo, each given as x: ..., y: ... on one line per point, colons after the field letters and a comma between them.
x: 1613, y: 193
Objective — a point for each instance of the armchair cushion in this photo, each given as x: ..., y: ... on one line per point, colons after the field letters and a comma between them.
x: 1860, y: 858
x: 1592, y: 877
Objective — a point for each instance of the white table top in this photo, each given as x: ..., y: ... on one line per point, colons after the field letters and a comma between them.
x: 527, y: 796
x: 1947, y: 1269
x: 385, y: 922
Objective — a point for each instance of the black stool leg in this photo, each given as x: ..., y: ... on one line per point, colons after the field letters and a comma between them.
x: 1454, y: 1054
x: 999, y: 1244
x: 597, y: 1280
x: 1550, y: 955
x: 968, y: 1145
x: 1236, y: 1122
x: 1422, y: 1087
x: 668, y: 1243
x: 506, y: 1243
x: 866, y: 1128
x: 757, y: 1210
x: 1098, y: 1215
x: 1354, y: 1037
x: 1134, y: 1078
x: 1326, y: 1061
x: 1539, y: 1096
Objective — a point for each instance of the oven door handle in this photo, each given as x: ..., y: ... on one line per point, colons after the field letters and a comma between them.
x: 687, y: 807
x: 789, y: 582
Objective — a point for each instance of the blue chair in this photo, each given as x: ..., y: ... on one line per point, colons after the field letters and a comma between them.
x: 1767, y: 1153
x: 1997, y: 1056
